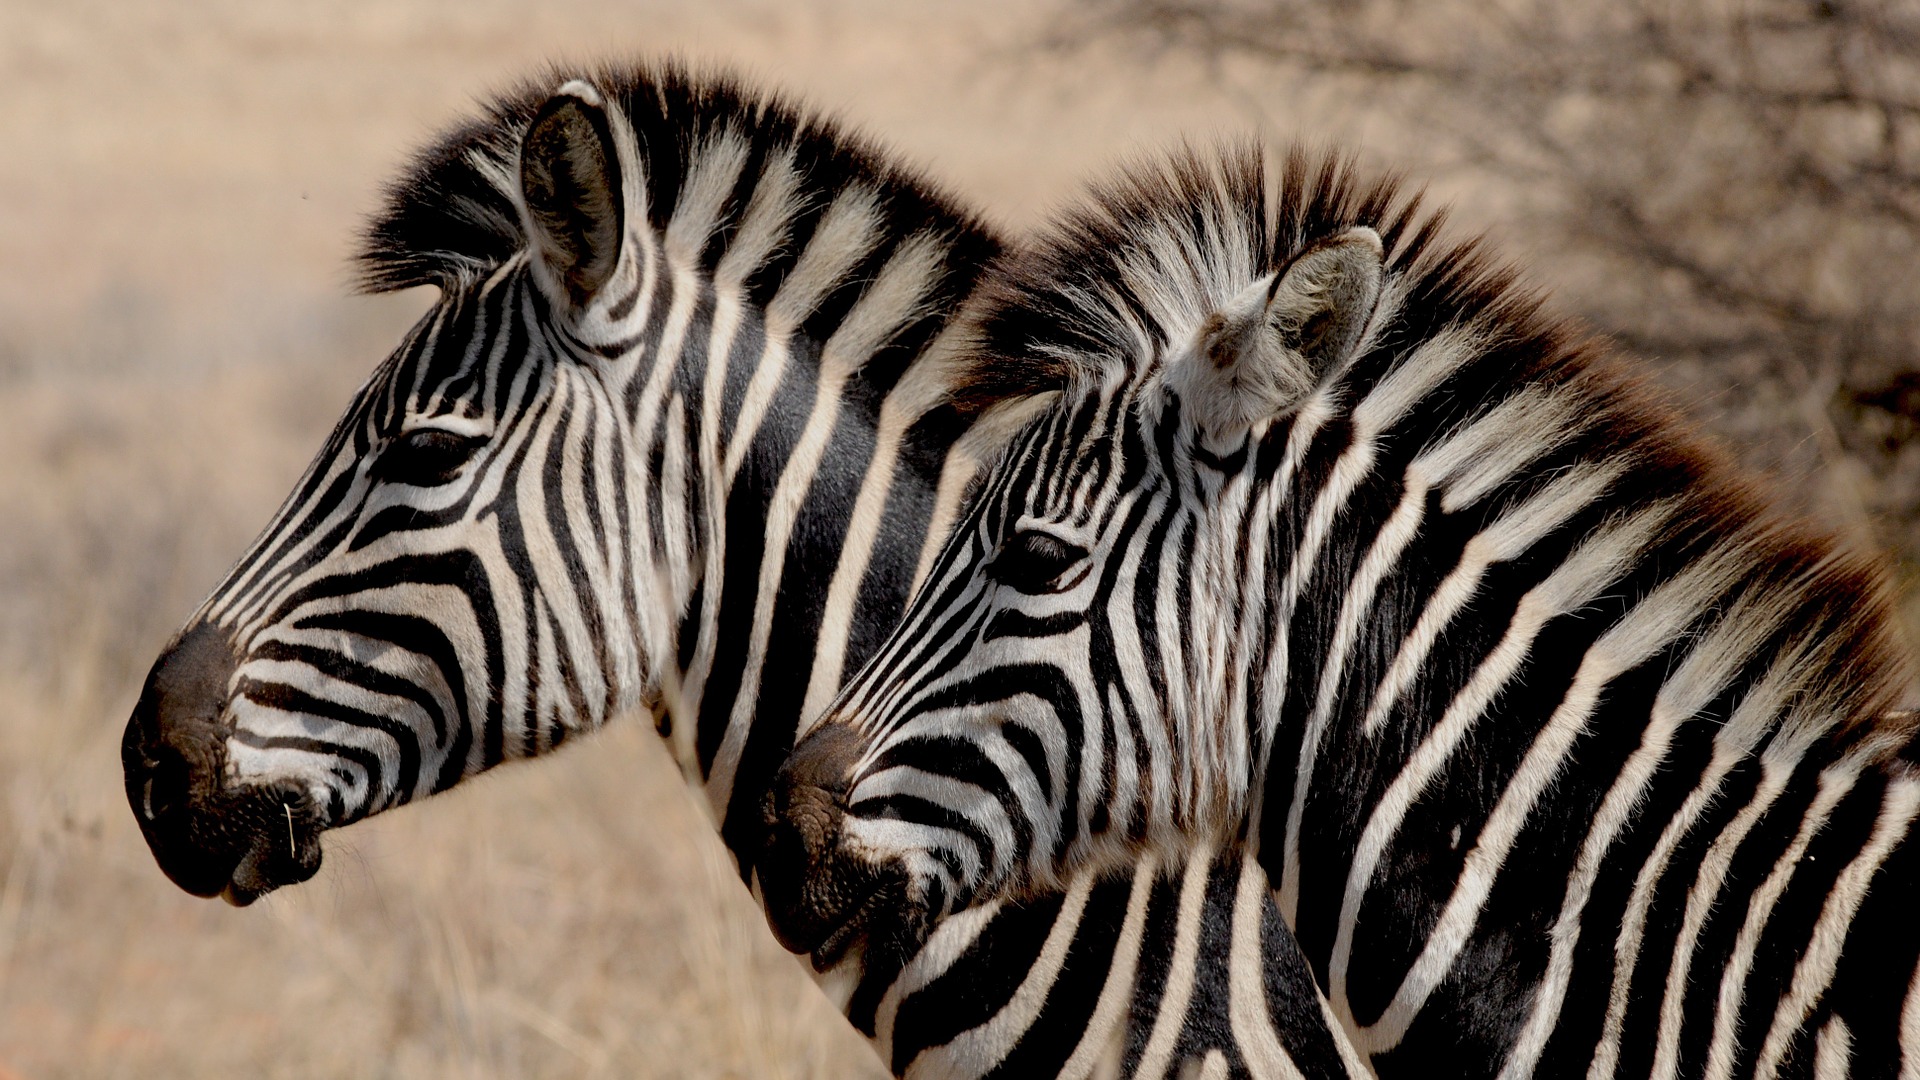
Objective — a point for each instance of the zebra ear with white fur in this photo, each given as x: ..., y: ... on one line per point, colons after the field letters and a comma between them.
x: 571, y: 185
x: 1268, y: 347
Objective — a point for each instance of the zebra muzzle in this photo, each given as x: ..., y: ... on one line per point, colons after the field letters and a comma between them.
x: 820, y: 898
x: 238, y: 844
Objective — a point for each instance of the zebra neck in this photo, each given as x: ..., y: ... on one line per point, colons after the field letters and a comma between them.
x: 788, y: 500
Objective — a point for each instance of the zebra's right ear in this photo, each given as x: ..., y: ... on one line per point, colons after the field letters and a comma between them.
x: 571, y: 186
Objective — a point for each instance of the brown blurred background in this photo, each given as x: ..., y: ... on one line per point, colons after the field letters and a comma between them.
x: 1730, y: 189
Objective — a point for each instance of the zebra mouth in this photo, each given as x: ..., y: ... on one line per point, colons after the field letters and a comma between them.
x: 282, y: 846
x: 275, y: 858
x: 235, y: 845
x: 829, y: 913
x: 832, y: 905
x: 868, y: 923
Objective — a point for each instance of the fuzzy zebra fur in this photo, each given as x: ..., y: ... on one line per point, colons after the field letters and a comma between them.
x: 1567, y: 752
x: 676, y: 436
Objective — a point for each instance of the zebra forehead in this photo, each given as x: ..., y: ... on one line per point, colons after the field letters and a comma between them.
x: 701, y: 138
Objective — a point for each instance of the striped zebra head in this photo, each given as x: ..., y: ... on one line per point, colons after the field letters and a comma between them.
x: 960, y: 759
x: 496, y: 544
x: 423, y: 605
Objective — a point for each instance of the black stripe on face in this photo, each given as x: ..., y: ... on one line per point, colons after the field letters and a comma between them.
x: 1046, y: 683
x: 959, y: 759
x: 344, y: 669
x: 937, y: 641
x: 496, y: 325
x: 402, y: 519
x: 457, y: 338
x: 392, y: 789
x: 426, y: 638
x: 900, y: 806
x: 458, y: 569
x: 365, y: 760
x: 276, y: 561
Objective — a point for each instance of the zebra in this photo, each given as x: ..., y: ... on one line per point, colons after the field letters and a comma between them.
x: 677, y: 436
x: 1566, y: 750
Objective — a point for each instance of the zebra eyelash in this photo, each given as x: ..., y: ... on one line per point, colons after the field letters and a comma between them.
x: 426, y: 457
x: 1034, y: 562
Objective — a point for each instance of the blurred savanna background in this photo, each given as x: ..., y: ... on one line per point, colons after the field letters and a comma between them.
x: 1728, y: 188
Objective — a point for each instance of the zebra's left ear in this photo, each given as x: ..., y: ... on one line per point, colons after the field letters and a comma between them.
x: 1268, y: 347
x: 571, y: 185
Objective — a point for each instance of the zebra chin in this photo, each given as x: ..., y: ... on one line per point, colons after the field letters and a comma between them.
x: 239, y: 846
x: 822, y: 898
x: 238, y: 843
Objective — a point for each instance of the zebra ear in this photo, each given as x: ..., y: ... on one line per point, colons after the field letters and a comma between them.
x: 1268, y: 347
x: 571, y: 185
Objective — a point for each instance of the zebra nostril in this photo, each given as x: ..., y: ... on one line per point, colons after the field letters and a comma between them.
x: 166, y: 787
x: 824, y: 759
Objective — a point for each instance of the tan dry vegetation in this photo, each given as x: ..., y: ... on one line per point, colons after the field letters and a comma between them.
x: 179, y: 190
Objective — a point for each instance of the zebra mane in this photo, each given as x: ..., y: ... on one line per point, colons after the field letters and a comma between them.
x: 1151, y: 253
x: 1150, y: 256
x: 451, y: 215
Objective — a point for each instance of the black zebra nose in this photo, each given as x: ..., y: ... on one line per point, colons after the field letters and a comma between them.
x: 173, y: 753
x: 798, y: 865
x: 823, y: 897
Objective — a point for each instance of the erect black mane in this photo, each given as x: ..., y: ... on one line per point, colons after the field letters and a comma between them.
x: 448, y: 218
x: 1182, y: 236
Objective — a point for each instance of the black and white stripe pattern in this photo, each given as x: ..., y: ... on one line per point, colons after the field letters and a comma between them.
x: 1183, y: 970
x: 1566, y: 752
x: 677, y: 435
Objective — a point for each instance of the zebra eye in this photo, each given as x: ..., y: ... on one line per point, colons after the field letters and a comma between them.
x: 1030, y: 561
x: 425, y: 457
